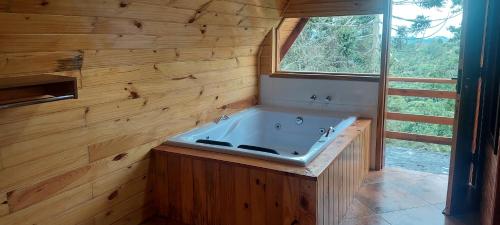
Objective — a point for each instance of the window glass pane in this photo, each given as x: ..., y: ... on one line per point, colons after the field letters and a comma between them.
x: 341, y: 44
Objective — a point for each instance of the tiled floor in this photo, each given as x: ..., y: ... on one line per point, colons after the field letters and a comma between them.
x: 402, y: 197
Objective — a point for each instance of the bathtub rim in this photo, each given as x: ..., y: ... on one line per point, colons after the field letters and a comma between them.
x: 303, y: 160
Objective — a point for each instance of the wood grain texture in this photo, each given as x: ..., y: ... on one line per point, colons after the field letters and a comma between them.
x: 309, y: 8
x: 146, y: 69
x: 241, y: 190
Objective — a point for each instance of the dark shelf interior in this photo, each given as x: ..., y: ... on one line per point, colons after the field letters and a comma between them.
x: 29, y: 90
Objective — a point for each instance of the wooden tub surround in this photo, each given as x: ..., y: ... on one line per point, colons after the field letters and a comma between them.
x: 206, y: 188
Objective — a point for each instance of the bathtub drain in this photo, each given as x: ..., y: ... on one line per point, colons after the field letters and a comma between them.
x: 277, y: 126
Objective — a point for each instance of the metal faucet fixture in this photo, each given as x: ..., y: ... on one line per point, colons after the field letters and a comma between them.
x: 314, y: 97
x: 330, y: 130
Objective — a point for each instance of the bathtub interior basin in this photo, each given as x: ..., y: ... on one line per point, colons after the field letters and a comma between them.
x: 286, y: 135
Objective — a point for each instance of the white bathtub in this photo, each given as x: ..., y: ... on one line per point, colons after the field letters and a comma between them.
x: 273, y: 133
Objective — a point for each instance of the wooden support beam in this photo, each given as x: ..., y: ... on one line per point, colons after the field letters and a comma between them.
x: 420, y: 118
x: 293, y: 36
x: 422, y: 93
x: 418, y: 138
x: 422, y: 80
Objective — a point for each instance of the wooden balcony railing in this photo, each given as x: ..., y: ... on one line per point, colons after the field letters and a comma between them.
x: 420, y: 118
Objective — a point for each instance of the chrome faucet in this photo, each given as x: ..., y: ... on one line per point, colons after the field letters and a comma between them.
x: 330, y: 130
x: 314, y: 97
x: 328, y: 98
x: 223, y: 117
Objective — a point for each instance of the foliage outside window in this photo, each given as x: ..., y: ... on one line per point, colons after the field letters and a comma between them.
x: 340, y: 44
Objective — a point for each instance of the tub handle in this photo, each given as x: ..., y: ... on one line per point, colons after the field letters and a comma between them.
x: 330, y: 130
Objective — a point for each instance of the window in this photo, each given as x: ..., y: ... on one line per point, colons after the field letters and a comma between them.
x: 335, y: 45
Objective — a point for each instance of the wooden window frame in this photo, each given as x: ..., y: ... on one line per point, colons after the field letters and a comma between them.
x: 279, y: 53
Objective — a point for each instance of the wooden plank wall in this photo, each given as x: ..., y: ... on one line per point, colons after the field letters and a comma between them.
x: 204, y: 191
x: 220, y: 193
x: 490, y: 200
x: 308, y: 8
x: 146, y: 69
x: 338, y: 184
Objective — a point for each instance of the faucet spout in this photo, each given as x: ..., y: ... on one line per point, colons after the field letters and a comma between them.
x: 330, y: 130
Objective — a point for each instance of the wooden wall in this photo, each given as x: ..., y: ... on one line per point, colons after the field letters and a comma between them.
x: 146, y: 69
x: 489, y: 194
x: 308, y: 8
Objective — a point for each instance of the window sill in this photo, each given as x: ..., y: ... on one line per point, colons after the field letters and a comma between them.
x: 328, y: 76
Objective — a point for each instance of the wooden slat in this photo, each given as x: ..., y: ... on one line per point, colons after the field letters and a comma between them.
x: 288, y: 42
x: 310, y: 8
x: 4, y: 207
x: 420, y: 118
x: 49, y: 208
x: 422, y: 80
x: 422, y: 93
x: 418, y: 138
x: 125, y: 164
x: 98, y: 204
x: 114, y: 213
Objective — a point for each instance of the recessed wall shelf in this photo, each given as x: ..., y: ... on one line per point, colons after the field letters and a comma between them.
x: 30, y: 90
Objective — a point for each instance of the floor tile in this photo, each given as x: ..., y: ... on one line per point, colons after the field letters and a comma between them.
x: 358, y: 209
x: 427, y: 215
x: 401, y: 197
x: 366, y: 220
x: 386, y: 197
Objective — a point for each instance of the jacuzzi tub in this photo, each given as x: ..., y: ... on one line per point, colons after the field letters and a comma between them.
x: 287, y: 135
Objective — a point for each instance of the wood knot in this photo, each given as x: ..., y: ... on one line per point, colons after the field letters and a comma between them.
x: 295, y: 222
x: 304, y: 203
x: 113, y: 195
x: 44, y: 3
x: 246, y: 205
x: 120, y: 156
x: 134, y: 95
x: 123, y: 4
x: 138, y: 24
